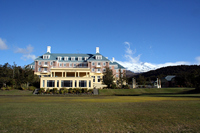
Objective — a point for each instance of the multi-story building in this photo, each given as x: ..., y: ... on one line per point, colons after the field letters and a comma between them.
x: 73, y: 70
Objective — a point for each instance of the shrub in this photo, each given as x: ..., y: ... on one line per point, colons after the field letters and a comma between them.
x: 3, y: 88
x: 8, y: 88
x: 65, y: 91
x: 70, y: 90
x: 126, y: 87
x: 113, y: 86
x: 41, y: 91
x: 84, y: 90
x: 55, y: 91
x: 90, y: 91
x: 47, y: 91
x: 62, y: 90
x: 24, y: 86
x: 32, y: 88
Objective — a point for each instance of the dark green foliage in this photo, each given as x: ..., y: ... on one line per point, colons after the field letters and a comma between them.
x: 17, y: 77
x: 41, y: 91
x: 108, y: 77
x: 55, y: 91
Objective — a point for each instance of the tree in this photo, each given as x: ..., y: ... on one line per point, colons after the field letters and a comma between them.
x: 122, y: 78
x: 108, y: 77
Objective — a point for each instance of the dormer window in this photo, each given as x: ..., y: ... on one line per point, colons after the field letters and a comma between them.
x: 79, y: 58
x: 66, y: 58
x: 59, y: 57
x: 46, y: 56
x: 98, y: 57
x: 86, y: 58
x: 72, y: 58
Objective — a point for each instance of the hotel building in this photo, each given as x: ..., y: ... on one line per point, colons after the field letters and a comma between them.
x: 73, y: 70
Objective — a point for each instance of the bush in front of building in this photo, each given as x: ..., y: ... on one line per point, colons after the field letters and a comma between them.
x: 3, y: 88
x: 41, y: 91
x: 32, y: 88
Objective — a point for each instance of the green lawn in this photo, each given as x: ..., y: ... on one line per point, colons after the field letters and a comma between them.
x: 140, y: 91
x: 99, y: 114
x: 16, y: 92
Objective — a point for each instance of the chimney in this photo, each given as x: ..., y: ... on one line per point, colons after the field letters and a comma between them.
x: 113, y: 59
x: 48, y: 49
x: 97, y: 50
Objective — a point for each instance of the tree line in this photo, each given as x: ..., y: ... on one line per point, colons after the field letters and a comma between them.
x: 17, y: 77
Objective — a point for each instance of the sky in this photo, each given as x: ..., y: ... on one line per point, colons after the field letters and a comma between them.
x: 140, y: 34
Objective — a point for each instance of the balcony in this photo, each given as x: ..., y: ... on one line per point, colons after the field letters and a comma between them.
x: 44, y: 65
x: 98, y: 66
x: 98, y: 71
x: 44, y: 71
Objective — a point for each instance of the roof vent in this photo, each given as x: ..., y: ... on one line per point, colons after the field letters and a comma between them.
x: 48, y: 49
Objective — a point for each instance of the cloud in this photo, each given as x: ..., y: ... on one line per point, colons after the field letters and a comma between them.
x: 134, y: 64
x: 26, y: 52
x: 198, y: 59
x: 3, y: 45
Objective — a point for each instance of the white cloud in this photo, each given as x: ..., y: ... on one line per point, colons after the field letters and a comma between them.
x: 28, y: 56
x: 134, y: 64
x: 3, y: 45
x: 26, y: 52
x: 198, y: 59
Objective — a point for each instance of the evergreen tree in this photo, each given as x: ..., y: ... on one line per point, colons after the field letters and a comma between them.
x: 108, y: 77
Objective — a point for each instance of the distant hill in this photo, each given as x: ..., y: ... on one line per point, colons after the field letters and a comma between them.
x: 170, y: 70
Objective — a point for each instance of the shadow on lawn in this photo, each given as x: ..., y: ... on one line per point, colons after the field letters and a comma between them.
x: 180, y: 94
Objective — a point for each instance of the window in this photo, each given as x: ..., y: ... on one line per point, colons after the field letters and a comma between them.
x: 117, y: 75
x: 98, y: 79
x: 66, y: 58
x: 99, y: 63
x: 89, y: 83
x: 93, y: 78
x: 73, y: 58
x: 80, y: 65
x: 104, y: 64
x: 65, y: 65
x: 57, y: 83
x: 60, y: 64
x: 51, y: 63
x: 45, y: 63
x: 121, y: 75
x: 74, y: 65
x: 82, y: 83
x: 50, y: 83
x: 39, y: 63
x: 70, y: 65
x: 43, y: 83
x: 117, y: 71
x: 98, y: 57
x: 39, y: 69
x: 121, y: 71
x: 66, y: 83
x: 92, y: 63
x: 45, y: 69
x: 98, y: 70
x: 104, y: 69
x: 92, y: 69
x: 86, y: 58
x: 110, y: 67
x: 85, y: 64
x: 75, y: 84
x: 59, y: 57
x: 79, y: 58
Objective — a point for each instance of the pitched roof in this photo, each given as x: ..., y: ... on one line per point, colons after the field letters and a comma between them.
x: 118, y: 65
x: 91, y: 57
x: 169, y: 77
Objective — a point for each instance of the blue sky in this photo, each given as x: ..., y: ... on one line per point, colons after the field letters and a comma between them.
x: 138, y: 33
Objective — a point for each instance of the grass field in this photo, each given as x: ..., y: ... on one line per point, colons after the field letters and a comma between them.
x: 143, y: 91
x: 179, y: 113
